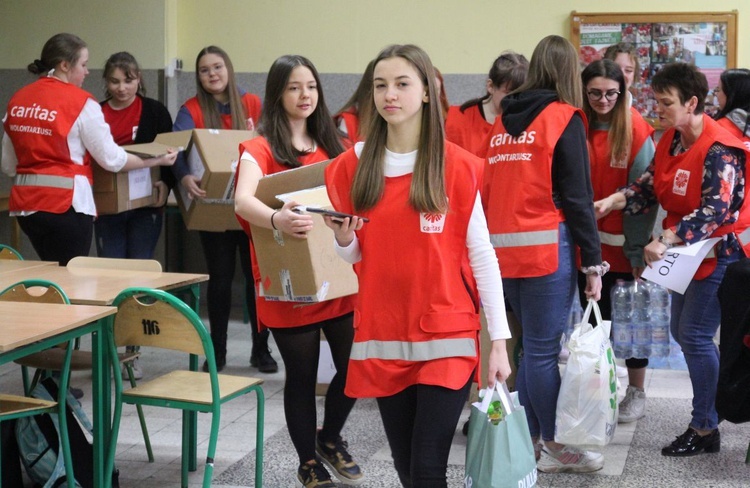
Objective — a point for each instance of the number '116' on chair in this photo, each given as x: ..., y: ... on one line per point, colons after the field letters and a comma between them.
x: 153, y: 318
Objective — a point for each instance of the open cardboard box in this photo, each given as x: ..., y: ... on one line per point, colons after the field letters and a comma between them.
x: 302, y: 270
x: 212, y: 156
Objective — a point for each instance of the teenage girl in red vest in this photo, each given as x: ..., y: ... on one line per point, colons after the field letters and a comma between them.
x: 353, y: 117
x: 53, y: 129
x: 133, y: 119
x: 733, y: 94
x: 416, y: 322
x: 468, y: 125
x: 219, y: 104
x: 538, y: 199
x: 620, y: 150
x: 698, y: 177
x: 298, y: 130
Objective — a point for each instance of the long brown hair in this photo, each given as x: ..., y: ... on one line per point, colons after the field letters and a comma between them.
x: 274, y: 125
x: 510, y: 69
x: 211, y: 115
x: 361, y: 103
x: 620, y: 134
x: 554, y: 66
x: 427, y: 192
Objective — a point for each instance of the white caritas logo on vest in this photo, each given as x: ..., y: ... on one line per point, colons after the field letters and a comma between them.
x: 431, y: 223
x: 681, y: 178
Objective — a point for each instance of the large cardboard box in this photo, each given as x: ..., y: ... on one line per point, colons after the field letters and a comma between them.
x: 212, y: 156
x: 302, y: 270
x: 117, y: 192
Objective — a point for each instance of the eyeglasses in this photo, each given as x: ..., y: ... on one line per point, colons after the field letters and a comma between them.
x: 596, y: 95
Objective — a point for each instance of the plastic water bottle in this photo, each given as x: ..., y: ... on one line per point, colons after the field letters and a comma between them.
x: 641, y: 320
x: 660, y: 313
x: 622, y: 309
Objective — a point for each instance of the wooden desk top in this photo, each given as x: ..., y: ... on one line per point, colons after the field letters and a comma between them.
x: 97, y: 286
x: 14, y: 265
x: 25, y: 323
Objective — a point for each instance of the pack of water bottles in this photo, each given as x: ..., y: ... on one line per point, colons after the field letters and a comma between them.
x: 640, y: 319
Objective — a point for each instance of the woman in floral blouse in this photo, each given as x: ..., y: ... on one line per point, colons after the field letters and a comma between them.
x: 698, y: 176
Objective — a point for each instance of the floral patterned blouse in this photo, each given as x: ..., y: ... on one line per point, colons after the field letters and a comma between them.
x: 722, y: 195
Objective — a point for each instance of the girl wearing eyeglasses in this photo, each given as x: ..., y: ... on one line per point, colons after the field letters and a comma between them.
x: 620, y: 149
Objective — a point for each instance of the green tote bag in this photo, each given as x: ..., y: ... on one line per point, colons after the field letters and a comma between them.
x: 499, y: 454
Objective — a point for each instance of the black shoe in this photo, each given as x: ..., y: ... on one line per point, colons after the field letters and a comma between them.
x: 338, y: 459
x: 314, y: 475
x: 691, y: 443
x: 465, y: 428
x: 263, y: 360
x: 221, y: 361
x: 76, y: 392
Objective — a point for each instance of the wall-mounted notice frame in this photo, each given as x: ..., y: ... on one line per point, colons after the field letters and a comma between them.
x: 706, y: 39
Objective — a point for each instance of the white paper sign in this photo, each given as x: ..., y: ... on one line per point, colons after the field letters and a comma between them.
x: 139, y: 183
x: 679, y: 265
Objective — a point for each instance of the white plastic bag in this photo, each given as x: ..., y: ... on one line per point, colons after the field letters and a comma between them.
x: 587, y: 403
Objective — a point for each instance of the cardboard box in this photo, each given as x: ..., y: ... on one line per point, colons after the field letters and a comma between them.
x: 117, y: 192
x: 212, y: 156
x: 5, y: 184
x: 302, y: 270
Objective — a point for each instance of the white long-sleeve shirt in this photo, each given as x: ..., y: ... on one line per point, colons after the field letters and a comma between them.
x: 89, y: 133
x: 482, y: 255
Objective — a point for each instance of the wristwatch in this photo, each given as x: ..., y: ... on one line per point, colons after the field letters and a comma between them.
x: 662, y: 240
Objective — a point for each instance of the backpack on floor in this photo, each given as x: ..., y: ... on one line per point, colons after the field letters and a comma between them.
x: 39, y: 442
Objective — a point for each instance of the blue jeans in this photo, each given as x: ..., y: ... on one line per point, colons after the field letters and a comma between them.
x: 132, y: 234
x: 695, y: 318
x: 542, y: 306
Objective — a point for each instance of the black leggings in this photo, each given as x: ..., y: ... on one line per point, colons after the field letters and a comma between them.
x: 59, y: 237
x: 420, y: 422
x: 220, y: 250
x: 299, y: 348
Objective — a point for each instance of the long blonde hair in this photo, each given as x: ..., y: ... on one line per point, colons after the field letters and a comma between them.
x: 211, y: 115
x: 554, y: 66
x: 427, y: 192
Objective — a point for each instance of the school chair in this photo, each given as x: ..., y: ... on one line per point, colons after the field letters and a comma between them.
x: 15, y: 406
x: 51, y: 360
x: 154, y: 318
x: 7, y: 252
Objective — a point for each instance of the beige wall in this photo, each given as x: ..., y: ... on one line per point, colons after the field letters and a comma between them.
x: 462, y: 36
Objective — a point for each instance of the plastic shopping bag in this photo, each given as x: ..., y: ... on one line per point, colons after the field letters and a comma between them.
x: 587, y: 402
x: 499, y: 453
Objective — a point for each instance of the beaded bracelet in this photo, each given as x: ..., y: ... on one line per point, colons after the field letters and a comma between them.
x: 272, y: 216
x: 599, y: 270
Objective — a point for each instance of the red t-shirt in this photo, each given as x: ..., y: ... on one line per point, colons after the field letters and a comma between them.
x: 123, y: 123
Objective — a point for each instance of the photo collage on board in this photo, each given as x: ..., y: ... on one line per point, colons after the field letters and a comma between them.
x: 701, y: 43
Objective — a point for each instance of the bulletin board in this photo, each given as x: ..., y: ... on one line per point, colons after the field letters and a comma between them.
x: 705, y: 39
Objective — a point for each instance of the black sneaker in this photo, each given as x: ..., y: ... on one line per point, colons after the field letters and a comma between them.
x: 221, y: 361
x: 313, y: 475
x: 338, y: 459
x: 263, y: 360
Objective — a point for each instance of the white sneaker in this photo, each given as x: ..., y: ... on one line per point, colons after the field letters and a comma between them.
x: 137, y: 370
x: 633, y: 406
x: 569, y: 460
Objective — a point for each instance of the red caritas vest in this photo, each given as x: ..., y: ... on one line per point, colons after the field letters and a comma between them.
x: 678, y: 180
x: 40, y: 117
x: 286, y: 314
x: 468, y: 129
x: 351, y: 122
x: 415, y: 321
x: 517, y: 193
x: 607, y: 175
x: 734, y: 130
x: 249, y: 101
